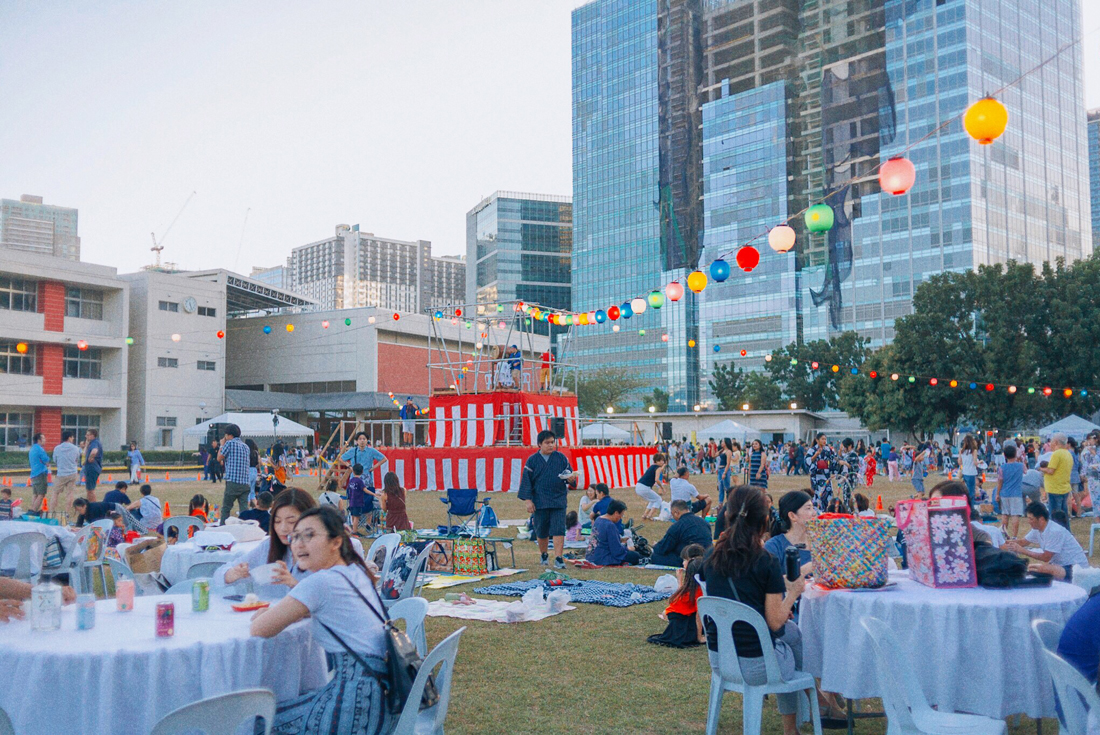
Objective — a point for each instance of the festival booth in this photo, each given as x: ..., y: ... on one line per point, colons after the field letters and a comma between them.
x: 1072, y: 426
x: 499, y: 417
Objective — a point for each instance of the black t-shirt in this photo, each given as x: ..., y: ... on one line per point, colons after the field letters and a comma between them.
x: 255, y: 514
x: 762, y: 578
x: 96, y: 512
x: 649, y: 479
x: 116, y: 496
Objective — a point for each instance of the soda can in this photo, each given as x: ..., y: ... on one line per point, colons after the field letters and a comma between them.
x: 200, y: 595
x: 85, y: 612
x: 124, y: 595
x: 166, y: 619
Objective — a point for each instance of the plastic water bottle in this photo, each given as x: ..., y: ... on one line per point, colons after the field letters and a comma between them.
x: 46, y: 606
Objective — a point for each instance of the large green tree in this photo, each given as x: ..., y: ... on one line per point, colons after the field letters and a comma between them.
x: 658, y: 399
x: 607, y: 386
x: 733, y: 387
x: 816, y: 389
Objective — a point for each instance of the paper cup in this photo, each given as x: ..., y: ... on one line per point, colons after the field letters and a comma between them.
x: 262, y: 575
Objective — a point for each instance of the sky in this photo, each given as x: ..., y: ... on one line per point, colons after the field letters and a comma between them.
x: 287, y: 119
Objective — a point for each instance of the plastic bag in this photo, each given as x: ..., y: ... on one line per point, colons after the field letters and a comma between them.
x: 515, y: 612
x: 558, y: 599
x: 666, y: 583
x: 666, y: 512
x: 533, y: 599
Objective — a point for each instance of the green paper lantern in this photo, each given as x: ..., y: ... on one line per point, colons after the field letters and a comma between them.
x: 656, y: 299
x: 819, y: 218
x: 347, y: 322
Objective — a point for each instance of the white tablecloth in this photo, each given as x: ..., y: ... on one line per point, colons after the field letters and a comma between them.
x: 120, y: 678
x: 973, y: 649
x: 10, y: 528
x: 179, y: 557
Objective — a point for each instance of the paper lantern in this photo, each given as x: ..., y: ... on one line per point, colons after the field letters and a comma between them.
x: 697, y: 281
x: 767, y: 358
x: 744, y: 353
x: 176, y: 338
x: 21, y: 348
x: 81, y: 344
x: 893, y: 376
x: 129, y: 340
x: 1068, y: 393
x: 221, y: 334
x: 814, y: 365
x: 855, y: 371
x: 989, y: 386
x: 664, y: 338
x: 986, y: 120
x: 626, y: 310
x: 819, y: 218
x: 912, y: 379
x: 674, y: 291
x: 954, y: 384
x: 656, y: 299
x: 614, y: 327
x: 347, y: 322
x: 612, y: 312
x: 973, y: 386
x: 324, y: 324
x: 897, y: 175
x: 781, y: 238
x: 582, y: 318
x: 691, y: 343
x: 591, y: 317
x: 1047, y: 391
x: 836, y: 368
x: 1011, y: 389
x: 290, y: 327
x: 874, y: 374
x: 933, y: 381
x: 371, y: 320
x: 267, y: 329
x: 458, y: 312
x: 601, y: 316
x: 641, y: 332
x: 717, y: 348
x: 719, y: 270
x: 500, y: 308
x: 439, y: 315
x: 638, y: 305
x: 748, y: 258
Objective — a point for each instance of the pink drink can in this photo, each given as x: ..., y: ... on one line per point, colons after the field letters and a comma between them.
x: 124, y: 595
x: 166, y: 619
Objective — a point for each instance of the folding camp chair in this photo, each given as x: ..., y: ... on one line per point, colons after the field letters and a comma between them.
x: 462, y: 504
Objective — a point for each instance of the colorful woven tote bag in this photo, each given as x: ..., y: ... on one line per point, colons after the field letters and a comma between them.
x: 848, y: 552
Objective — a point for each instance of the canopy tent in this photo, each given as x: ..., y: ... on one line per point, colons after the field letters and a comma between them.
x: 604, y: 432
x: 729, y: 429
x: 1072, y: 425
x: 252, y: 425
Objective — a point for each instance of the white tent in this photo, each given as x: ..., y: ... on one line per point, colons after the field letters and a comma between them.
x: 1072, y: 425
x: 728, y: 429
x: 604, y: 432
x: 252, y: 425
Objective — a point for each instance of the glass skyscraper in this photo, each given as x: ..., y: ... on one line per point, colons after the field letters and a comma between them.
x: 519, y: 247
x: 1094, y: 173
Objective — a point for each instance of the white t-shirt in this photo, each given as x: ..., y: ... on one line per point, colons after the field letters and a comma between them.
x: 1067, y: 552
x: 682, y: 490
x: 329, y: 498
x: 151, y: 513
x: 967, y: 463
x: 332, y: 601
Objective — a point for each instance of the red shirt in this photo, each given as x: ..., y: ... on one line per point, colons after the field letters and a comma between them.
x: 547, y: 358
x: 683, y: 605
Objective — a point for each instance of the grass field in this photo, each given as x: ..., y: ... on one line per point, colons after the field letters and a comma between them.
x: 589, y: 670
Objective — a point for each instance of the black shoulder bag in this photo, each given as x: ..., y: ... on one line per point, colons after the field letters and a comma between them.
x: 402, y: 662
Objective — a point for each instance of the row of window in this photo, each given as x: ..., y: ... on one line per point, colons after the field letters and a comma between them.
x: 172, y: 362
x: 16, y: 429
x: 174, y: 307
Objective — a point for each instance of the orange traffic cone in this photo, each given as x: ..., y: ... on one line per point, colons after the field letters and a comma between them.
x: 167, y: 510
x: 198, y: 477
x: 167, y: 477
x: 147, y: 477
x: 878, y: 503
x: 110, y: 478
x: 45, y: 505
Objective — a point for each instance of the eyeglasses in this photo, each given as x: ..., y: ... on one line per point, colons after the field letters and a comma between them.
x: 301, y: 538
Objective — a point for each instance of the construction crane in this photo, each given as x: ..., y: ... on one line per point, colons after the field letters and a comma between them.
x: 159, y: 246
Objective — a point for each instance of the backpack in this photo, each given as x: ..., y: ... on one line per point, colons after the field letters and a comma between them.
x: 998, y: 568
x: 488, y: 516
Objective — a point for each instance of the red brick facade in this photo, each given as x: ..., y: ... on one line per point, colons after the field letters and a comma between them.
x: 50, y: 364
x: 48, y: 422
x: 403, y: 369
x: 51, y: 304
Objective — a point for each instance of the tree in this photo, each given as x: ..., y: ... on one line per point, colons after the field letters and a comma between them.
x: 607, y: 386
x: 762, y: 392
x: 733, y: 388
x: 792, y: 368
x: 658, y: 399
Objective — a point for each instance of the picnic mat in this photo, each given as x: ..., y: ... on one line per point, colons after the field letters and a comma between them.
x: 513, y: 523
x: 443, y: 581
x: 487, y: 610
x: 612, y: 594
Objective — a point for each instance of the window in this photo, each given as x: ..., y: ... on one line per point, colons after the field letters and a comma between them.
x: 83, y: 303
x: 207, y: 365
x: 166, y: 421
x: 79, y: 423
x: 83, y: 363
x: 207, y: 311
x: 168, y: 306
x: 13, y: 363
x: 15, y: 429
x: 18, y: 294
x: 165, y: 438
x: 169, y: 362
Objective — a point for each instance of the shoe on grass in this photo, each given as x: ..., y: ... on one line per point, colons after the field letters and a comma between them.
x: 558, y: 563
x: 545, y: 561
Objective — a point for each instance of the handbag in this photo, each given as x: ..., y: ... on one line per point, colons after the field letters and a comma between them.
x: 848, y: 553
x: 402, y: 662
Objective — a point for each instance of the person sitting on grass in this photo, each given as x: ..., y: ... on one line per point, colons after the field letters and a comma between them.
x: 609, y: 550
x: 332, y: 498
x: 147, y: 508
x: 118, y: 495
x: 572, y: 527
x: 199, y: 508
x: 1050, y: 544
x: 262, y: 512
x: 117, y: 534
x: 88, y: 513
x: 286, y: 508
x: 682, y: 489
x: 587, y: 503
x: 863, y: 506
x: 347, y: 620
x: 685, y: 628
x: 603, y: 499
x: 5, y: 504
x: 687, y: 529
x: 13, y: 592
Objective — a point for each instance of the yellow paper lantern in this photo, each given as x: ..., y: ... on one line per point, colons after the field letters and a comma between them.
x: 986, y: 120
x: 697, y: 281
x: 691, y: 343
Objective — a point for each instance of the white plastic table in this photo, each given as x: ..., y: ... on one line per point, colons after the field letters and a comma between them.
x: 10, y: 528
x: 179, y: 557
x: 120, y: 678
x: 973, y: 649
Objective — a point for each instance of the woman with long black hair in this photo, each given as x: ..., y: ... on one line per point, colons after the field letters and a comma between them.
x: 738, y: 568
x: 348, y: 622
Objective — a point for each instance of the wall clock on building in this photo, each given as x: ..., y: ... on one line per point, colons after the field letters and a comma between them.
x: 189, y: 305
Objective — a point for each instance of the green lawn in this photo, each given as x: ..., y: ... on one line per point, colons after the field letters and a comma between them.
x: 585, y: 671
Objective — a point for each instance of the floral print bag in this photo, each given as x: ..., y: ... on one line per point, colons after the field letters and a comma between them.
x: 939, y: 541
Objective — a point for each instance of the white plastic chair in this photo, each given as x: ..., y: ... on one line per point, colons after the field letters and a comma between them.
x: 203, y: 569
x: 413, y: 611
x: 1047, y: 633
x: 1076, y: 695
x: 31, y: 545
x: 430, y: 721
x: 221, y: 715
x: 180, y: 588
x: 79, y: 566
x: 410, y: 588
x: 1092, y: 534
x: 728, y: 678
x: 182, y: 524
x: 6, y: 728
x: 105, y: 523
x: 389, y: 542
x: 907, y: 709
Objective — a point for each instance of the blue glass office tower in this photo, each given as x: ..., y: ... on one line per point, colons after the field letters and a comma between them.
x: 1094, y: 173
x: 1024, y: 197
x: 616, y: 215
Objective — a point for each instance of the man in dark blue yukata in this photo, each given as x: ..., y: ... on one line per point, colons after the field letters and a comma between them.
x: 544, y: 487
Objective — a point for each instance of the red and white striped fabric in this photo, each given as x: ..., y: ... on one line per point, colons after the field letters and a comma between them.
x: 485, y: 419
x: 499, y: 469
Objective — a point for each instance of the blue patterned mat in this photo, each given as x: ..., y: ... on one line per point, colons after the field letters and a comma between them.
x: 612, y: 594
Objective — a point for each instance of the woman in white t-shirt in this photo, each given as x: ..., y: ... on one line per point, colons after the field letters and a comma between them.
x: 347, y: 618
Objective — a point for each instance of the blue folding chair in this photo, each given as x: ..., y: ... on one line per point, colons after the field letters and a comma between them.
x: 462, y: 504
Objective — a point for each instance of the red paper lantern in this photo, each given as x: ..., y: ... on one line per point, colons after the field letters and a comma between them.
x: 396, y: 316
x: 1047, y: 391
x: 933, y: 381
x: 989, y: 386
x: 873, y: 375
x: 221, y: 334
x: 613, y: 313
x: 674, y: 291
x: 814, y: 365
x: 748, y: 258
x: 458, y: 312
x: 897, y: 175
